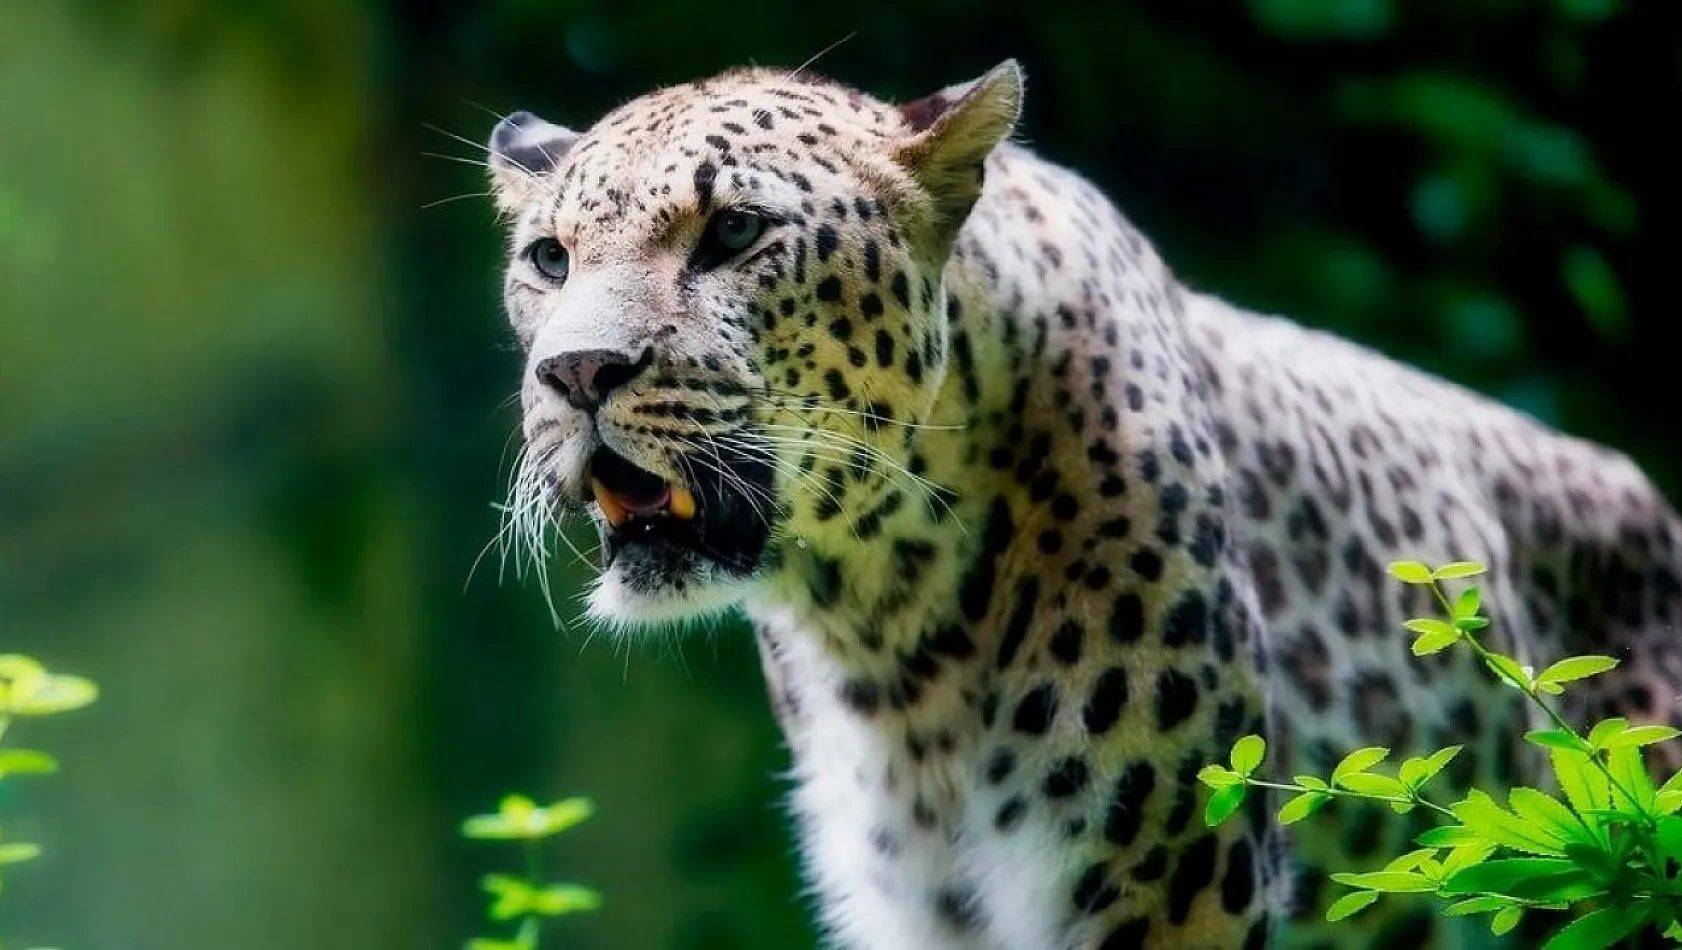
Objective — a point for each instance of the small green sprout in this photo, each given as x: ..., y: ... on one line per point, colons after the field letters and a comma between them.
x: 525, y: 898
x: 518, y: 818
x: 30, y: 690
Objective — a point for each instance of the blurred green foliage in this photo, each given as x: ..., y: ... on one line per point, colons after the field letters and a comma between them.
x: 29, y: 690
x: 253, y: 393
x: 528, y: 899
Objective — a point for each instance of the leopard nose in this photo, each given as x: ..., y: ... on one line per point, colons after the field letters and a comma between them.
x: 586, y: 377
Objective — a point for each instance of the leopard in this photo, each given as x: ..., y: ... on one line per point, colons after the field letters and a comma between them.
x: 1028, y: 529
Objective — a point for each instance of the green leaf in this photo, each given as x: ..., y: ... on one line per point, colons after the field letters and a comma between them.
x: 518, y: 818
x: 560, y: 899
x: 1217, y: 777
x: 1412, y: 861
x: 1480, y: 813
x: 1583, y: 784
x: 1532, y: 805
x: 1455, y: 570
x: 1556, y: 739
x: 1596, y: 930
x: 1471, y: 624
x: 1313, y: 781
x: 1247, y: 754
x: 1509, y: 670
x: 1301, y: 807
x: 1427, y: 625
x: 1505, y: 920
x: 1523, y: 878
x: 44, y: 694
x: 1358, y: 761
x: 1616, y: 816
x: 1465, y: 855
x: 1605, y: 730
x: 17, y: 852
x: 1223, y: 803
x: 15, y: 667
x: 1576, y: 668
x: 1410, y: 572
x: 1350, y: 904
x: 1435, y: 762
x: 1667, y: 803
x: 1593, y: 857
x: 511, y: 896
x: 1447, y: 836
x: 514, y: 898
x: 1534, y: 880
x: 1467, y: 604
x: 1410, y: 771
x: 1482, y: 904
x: 1427, y: 644
x: 1390, y: 882
x: 1366, y: 783
x: 566, y: 813
x: 1630, y: 773
x: 26, y: 762
x: 1642, y: 735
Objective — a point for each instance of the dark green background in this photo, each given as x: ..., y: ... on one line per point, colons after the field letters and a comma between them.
x: 253, y: 388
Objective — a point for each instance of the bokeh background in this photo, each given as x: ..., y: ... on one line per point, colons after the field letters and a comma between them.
x: 253, y: 383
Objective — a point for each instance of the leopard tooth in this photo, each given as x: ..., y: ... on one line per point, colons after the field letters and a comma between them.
x: 612, y: 510
x: 681, y: 504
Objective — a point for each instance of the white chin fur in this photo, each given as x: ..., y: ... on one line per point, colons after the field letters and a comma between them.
x: 627, y: 608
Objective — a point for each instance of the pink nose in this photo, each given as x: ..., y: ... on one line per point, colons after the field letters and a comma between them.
x: 587, y: 377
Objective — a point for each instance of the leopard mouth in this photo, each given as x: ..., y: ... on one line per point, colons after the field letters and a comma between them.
x: 660, y: 527
x: 632, y: 500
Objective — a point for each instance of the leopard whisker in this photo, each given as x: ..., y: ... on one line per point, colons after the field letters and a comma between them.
x: 896, y: 473
x: 798, y: 477
x: 752, y: 493
x: 793, y: 402
x: 852, y: 443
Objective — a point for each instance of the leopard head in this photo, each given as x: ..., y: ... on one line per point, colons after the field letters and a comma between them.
x: 730, y: 301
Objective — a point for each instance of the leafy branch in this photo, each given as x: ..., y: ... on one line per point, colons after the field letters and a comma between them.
x: 1608, y: 855
x: 525, y: 897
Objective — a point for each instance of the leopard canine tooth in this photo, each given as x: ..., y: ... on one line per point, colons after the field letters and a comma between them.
x: 681, y: 503
x: 611, y: 509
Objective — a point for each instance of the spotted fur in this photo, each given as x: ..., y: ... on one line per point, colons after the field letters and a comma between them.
x: 1044, y: 530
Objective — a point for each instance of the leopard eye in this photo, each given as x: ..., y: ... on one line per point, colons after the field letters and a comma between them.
x: 735, y: 231
x: 549, y: 258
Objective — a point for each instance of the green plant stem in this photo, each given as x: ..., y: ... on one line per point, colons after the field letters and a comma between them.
x: 534, y: 878
x: 528, y: 932
x: 5, y: 723
x: 1535, y: 698
x: 1346, y: 793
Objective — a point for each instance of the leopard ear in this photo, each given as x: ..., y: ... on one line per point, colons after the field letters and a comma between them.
x: 524, y: 148
x: 952, y: 132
